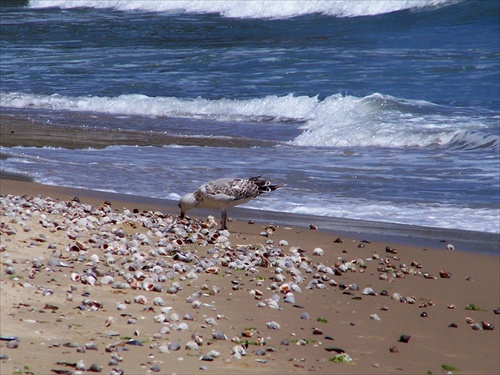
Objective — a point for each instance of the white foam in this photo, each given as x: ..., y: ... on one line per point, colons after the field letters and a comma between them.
x: 251, y: 9
x: 337, y: 121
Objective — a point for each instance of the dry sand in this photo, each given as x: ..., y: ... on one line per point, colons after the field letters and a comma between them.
x: 51, y: 329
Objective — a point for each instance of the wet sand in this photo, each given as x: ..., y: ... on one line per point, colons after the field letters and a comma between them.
x: 54, y: 317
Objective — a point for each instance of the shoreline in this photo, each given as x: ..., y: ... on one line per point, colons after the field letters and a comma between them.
x: 472, y: 241
x: 59, y: 319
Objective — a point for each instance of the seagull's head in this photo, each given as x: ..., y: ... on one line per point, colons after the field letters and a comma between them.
x: 186, y: 203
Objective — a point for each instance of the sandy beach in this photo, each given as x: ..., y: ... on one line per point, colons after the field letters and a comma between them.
x: 127, y: 287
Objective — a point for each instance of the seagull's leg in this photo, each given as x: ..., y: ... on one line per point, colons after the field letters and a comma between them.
x: 223, y: 220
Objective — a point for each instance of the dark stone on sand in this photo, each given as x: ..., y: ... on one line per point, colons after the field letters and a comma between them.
x: 424, y: 314
x: 155, y: 367
x: 391, y: 250
x: 338, y: 240
x: 393, y: 349
x: 404, y: 338
x: 487, y: 326
x: 453, y: 325
x: 134, y: 342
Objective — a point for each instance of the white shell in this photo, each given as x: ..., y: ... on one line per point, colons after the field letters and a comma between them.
x: 318, y: 251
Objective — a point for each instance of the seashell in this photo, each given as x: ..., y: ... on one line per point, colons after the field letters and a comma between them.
x: 174, y: 346
x: 318, y: 251
x: 374, y: 317
x: 141, y: 299
x: 305, y: 316
x: 450, y: 247
x: 256, y: 293
x: 476, y: 327
x: 94, y: 367
x: 158, y: 301
x: 369, y: 292
x: 117, y: 357
x: 105, y: 280
x: 120, y: 285
x: 197, y: 338
x: 164, y: 349
x: 213, y: 354
x: 219, y: 336
x: 89, y: 280
x: 182, y: 327
x: 94, y: 258
x: 396, y: 296
x: 284, y: 288
x: 283, y: 243
x: 109, y: 321
x: 213, y: 270
x: 191, y: 345
x: 211, y: 321
x: 188, y: 316
x: 75, y: 277
x: 273, y: 325
x: 160, y: 318
x: 147, y: 285
x: 120, y: 306
x: 290, y: 298
x: 174, y: 317
x: 80, y: 365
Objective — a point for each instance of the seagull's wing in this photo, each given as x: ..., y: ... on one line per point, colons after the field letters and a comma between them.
x: 230, y: 189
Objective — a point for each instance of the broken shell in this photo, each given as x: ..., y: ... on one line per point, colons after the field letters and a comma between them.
x: 141, y: 299
x: 75, y: 277
x: 213, y: 270
x: 284, y: 288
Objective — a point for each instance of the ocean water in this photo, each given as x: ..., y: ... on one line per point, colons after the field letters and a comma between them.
x: 378, y: 110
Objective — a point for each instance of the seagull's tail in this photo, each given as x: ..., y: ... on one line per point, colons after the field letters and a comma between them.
x: 264, y: 186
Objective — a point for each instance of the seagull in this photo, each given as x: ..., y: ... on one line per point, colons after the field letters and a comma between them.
x: 224, y: 193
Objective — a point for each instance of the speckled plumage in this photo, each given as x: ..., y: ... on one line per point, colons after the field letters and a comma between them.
x: 224, y: 193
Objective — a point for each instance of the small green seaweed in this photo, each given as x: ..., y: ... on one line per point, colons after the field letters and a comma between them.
x: 259, y: 277
x: 16, y: 277
x: 449, y: 368
x: 473, y: 307
x: 342, y: 358
x: 322, y: 320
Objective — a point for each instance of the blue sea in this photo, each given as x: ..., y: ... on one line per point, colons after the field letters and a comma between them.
x: 380, y: 110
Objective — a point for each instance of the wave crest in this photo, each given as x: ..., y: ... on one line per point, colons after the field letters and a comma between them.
x: 251, y: 9
x: 337, y: 121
